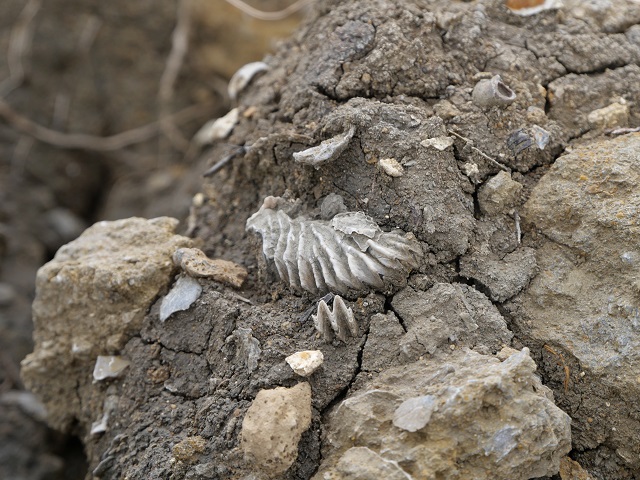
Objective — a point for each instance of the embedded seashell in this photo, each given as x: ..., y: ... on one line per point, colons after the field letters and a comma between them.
x: 328, y: 150
x: 391, y: 167
x: 439, y: 143
x: 243, y: 76
x: 531, y: 7
x: 185, y: 291
x: 350, y: 252
x: 109, y: 366
x: 217, y: 129
x: 492, y: 92
x: 337, y: 323
x: 195, y: 263
x: 306, y: 362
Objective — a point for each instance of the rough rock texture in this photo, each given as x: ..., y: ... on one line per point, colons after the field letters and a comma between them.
x: 273, y: 425
x: 473, y: 413
x: 92, y: 298
x: 401, y: 75
x: 582, y: 310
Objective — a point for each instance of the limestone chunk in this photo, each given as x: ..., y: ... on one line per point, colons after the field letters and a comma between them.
x: 499, y: 194
x: 273, y: 425
x: 306, y: 362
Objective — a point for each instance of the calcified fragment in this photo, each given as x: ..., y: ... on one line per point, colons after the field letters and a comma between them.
x: 391, y: 167
x: 196, y: 264
x: 109, y: 366
x: 492, y: 93
x: 185, y: 291
x: 243, y: 76
x: 349, y: 253
x: 531, y: 7
x: 217, y: 129
x: 328, y: 150
x: 337, y: 323
x: 306, y: 362
x: 414, y: 414
x: 439, y: 143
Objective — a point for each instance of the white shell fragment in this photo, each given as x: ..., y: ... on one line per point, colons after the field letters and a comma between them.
x: 439, y: 143
x: 320, y: 256
x: 306, y: 362
x: 414, y: 414
x: 492, y: 93
x: 243, y: 76
x: 391, y: 167
x: 185, y: 291
x: 328, y: 150
x: 337, y: 323
x: 217, y: 129
x: 109, y: 366
x: 527, y: 8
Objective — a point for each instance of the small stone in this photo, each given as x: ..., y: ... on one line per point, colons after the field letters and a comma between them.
x: 439, y: 143
x: 391, y: 167
x: 306, y: 362
x: 327, y: 151
x: 505, y: 353
x: 109, y: 366
x: 273, y: 425
x: 189, y: 449
x: 196, y: 264
x: 217, y: 129
x: 185, y: 291
x: 243, y: 77
x: 414, y: 414
x: 332, y: 205
x: 499, y: 194
x: 612, y: 116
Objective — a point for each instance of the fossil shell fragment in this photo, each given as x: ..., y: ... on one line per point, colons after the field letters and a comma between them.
x: 328, y: 150
x: 492, y: 92
x: 349, y: 252
x: 217, y: 129
x: 337, y: 323
x: 185, y: 291
x: 243, y: 76
x: 109, y: 366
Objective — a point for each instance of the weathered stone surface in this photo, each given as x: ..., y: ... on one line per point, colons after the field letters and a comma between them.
x: 90, y: 299
x: 583, y: 306
x: 445, y: 315
x: 499, y: 194
x: 474, y: 412
x: 273, y: 425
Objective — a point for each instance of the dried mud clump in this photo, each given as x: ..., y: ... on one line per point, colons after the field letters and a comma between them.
x: 459, y: 227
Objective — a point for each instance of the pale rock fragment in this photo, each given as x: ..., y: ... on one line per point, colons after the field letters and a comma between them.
x: 306, y: 362
x: 217, y: 129
x: 247, y: 347
x: 414, y: 414
x: 189, y: 449
x: 273, y: 425
x: 391, y: 167
x: 362, y: 463
x: 499, y: 194
x: 439, y: 143
x: 109, y: 366
x: 612, y: 116
x: 185, y: 291
x: 327, y: 150
x: 195, y: 263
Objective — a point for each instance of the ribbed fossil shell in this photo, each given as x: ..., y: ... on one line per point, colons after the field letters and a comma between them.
x: 348, y: 252
x: 337, y: 323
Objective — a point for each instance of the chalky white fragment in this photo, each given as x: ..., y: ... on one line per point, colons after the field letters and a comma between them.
x: 306, y: 362
x: 185, y: 291
x: 414, y: 414
x: 217, y: 129
x: 350, y: 252
x: 439, y: 143
x: 243, y: 76
x: 391, y: 167
x: 109, y: 366
x: 328, y: 150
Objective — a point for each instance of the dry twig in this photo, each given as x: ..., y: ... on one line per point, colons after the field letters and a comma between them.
x: 480, y: 152
x: 269, y: 16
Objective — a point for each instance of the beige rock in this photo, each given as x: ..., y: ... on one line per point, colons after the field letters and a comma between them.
x: 612, y: 116
x: 391, y: 167
x: 306, y: 362
x: 189, y: 449
x: 196, y: 264
x: 499, y: 194
x: 273, y: 425
x: 101, y: 285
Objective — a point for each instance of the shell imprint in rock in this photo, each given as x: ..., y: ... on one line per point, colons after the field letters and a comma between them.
x: 337, y: 323
x: 348, y: 252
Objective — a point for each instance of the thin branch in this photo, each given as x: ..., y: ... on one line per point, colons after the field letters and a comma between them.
x: 269, y: 16
x: 83, y: 141
x: 19, y: 46
x: 480, y: 152
x: 179, y: 47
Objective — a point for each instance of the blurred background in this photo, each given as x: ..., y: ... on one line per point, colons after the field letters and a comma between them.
x: 99, y: 102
